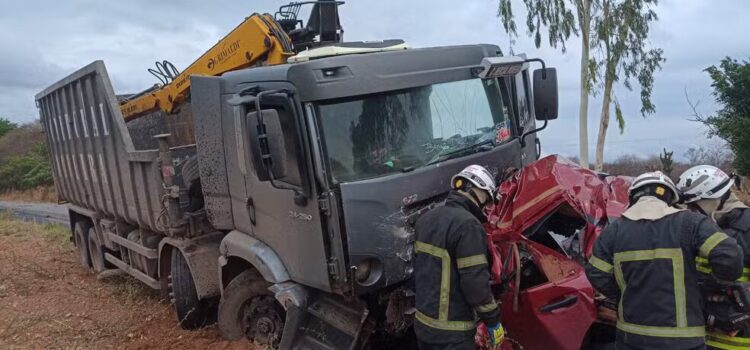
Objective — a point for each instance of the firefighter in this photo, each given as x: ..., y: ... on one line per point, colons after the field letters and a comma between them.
x: 451, y: 273
x: 707, y: 189
x: 646, y: 260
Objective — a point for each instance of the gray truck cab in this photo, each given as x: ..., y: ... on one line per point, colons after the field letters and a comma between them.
x: 318, y: 170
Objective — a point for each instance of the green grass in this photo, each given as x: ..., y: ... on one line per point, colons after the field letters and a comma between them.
x: 57, y: 234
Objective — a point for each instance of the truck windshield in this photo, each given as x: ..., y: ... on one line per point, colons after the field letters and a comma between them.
x: 398, y: 131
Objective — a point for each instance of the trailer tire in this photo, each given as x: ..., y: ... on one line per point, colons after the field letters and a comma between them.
x: 80, y: 238
x: 248, y: 309
x: 96, y: 252
x: 192, y: 313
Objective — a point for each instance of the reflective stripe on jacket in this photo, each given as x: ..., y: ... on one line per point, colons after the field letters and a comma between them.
x: 648, y: 265
x: 451, y: 273
x: 722, y: 341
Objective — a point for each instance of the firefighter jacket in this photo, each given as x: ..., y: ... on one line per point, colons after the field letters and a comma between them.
x: 646, y: 261
x: 734, y: 220
x: 451, y: 274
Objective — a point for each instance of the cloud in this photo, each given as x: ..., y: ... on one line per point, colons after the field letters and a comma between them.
x: 43, y: 41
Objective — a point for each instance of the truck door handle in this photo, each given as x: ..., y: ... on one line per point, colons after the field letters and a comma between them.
x: 568, y: 301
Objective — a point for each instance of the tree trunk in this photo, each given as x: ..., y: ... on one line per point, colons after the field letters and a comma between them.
x: 583, y: 120
x: 603, y: 124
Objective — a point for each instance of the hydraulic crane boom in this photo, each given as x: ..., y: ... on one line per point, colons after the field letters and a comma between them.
x: 259, y: 40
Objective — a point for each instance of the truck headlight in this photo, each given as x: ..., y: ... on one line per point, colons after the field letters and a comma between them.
x: 368, y: 271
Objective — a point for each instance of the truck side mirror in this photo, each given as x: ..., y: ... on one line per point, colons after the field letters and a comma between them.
x: 267, y: 144
x: 545, y: 93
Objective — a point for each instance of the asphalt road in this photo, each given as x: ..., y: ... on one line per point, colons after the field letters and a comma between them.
x: 37, y: 212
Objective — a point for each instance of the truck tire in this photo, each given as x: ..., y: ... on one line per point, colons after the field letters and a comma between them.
x: 80, y: 238
x: 248, y: 309
x: 192, y: 313
x: 96, y: 252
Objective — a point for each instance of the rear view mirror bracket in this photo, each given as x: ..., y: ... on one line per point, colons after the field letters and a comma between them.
x: 265, y: 153
x: 523, y: 137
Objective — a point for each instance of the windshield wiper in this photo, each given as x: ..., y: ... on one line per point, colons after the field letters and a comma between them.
x: 446, y: 156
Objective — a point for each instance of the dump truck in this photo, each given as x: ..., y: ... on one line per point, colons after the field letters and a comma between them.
x: 279, y: 200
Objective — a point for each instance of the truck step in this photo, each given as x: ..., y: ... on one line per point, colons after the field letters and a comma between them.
x: 326, y: 324
x: 151, y: 282
x: 134, y: 246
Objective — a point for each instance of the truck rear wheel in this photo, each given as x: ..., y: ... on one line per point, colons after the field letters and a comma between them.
x: 248, y: 309
x: 80, y: 236
x: 96, y: 252
x: 192, y: 313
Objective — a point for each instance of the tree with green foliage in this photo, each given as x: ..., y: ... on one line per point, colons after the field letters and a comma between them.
x: 24, y: 160
x: 614, y: 46
x: 621, y: 53
x: 560, y: 22
x: 731, y: 84
x: 6, y: 126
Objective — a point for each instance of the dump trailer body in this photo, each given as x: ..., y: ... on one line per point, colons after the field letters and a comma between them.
x: 95, y: 164
x: 123, y: 212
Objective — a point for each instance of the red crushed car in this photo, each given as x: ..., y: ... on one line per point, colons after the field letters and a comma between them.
x: 541, y: 233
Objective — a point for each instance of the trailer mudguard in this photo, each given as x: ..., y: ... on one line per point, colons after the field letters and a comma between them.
x: 260, y: 255
x: 202, y: 255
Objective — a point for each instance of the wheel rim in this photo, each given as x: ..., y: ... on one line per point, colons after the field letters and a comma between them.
x: 263, y: 320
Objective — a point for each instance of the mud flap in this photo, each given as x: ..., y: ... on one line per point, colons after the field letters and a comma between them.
x: 325, y: 322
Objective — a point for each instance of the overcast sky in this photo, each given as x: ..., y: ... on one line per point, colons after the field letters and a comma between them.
x: 44, y: 41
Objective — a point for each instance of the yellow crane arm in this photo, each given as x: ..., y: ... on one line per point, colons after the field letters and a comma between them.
x: 259, y: 40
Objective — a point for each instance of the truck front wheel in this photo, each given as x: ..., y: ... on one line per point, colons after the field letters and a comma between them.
x: 80, y: 236
x: 248, y: 309
x: 192, y: 313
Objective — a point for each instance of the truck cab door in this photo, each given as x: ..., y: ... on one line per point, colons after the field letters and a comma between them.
x: 278, y: 216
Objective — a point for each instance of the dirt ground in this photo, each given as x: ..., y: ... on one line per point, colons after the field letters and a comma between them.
x: 47, y: 301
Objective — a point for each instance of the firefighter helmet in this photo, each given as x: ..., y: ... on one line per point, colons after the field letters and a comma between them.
x: 478, y: 176
x: 704, y: 182
x: 654, y: 184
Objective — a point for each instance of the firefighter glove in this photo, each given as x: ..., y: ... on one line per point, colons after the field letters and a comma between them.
x: 497, y: 334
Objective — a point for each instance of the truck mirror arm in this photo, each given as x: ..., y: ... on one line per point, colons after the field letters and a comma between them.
x: 523, y: 137
x: 300, y: 198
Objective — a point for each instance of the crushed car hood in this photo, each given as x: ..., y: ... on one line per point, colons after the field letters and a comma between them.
x: 543, y: 186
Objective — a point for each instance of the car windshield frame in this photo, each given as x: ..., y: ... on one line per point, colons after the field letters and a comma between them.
x: 407, y: 137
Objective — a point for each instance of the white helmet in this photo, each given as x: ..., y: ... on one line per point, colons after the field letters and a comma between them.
x: 704, y: 182
x: 479, y: 176
x: 655, y: 178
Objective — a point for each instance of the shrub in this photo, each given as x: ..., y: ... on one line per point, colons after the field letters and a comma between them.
x: 26, y: 171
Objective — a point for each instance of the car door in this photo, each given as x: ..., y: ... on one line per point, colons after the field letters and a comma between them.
x: 555, y: 314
